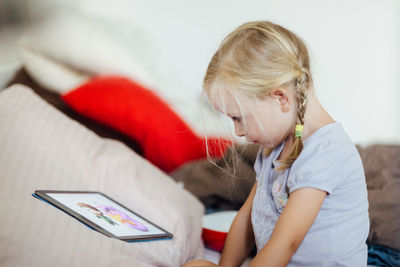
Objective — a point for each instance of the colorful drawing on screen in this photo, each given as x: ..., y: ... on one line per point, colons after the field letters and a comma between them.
x: 96, y: 212
x: 122, y: 217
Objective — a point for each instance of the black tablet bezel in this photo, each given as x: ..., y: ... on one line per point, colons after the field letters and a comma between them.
x: 43, y: 194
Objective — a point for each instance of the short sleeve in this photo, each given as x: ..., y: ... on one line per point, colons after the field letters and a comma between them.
x: 321, y: 179
x: 325, y: 167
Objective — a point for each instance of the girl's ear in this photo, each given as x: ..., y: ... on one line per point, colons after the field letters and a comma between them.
x: 281, y: 96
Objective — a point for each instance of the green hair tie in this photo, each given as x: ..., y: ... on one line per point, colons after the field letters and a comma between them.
x: 298, y: 132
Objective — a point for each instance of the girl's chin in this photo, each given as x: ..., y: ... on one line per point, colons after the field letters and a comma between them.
x: 268, y: 146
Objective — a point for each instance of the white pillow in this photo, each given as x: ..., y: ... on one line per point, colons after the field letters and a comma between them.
x: 41, y: 148
x: 49, y: 74
x: 7, y: 72
x: 92, y: 46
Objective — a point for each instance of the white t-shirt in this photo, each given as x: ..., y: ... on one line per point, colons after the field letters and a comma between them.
x: 329, y: 162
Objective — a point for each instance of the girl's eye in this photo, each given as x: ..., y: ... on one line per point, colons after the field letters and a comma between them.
x: 237, y: 119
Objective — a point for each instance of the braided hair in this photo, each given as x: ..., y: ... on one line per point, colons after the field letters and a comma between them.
x: 301, y: 99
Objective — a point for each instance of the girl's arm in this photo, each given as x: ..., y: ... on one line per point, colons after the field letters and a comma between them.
x: 297, y: 217
x: 240, y: 239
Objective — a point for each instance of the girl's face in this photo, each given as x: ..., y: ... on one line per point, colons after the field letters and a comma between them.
x: 266, y: 121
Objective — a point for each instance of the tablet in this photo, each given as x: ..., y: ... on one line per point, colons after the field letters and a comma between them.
x: 104, y: 215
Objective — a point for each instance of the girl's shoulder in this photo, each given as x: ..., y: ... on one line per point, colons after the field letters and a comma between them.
x: 329, y: 142
x: 328, y: 159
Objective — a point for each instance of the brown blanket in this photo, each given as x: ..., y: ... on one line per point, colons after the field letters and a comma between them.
x: 225, y: 184
x: 382, y: 170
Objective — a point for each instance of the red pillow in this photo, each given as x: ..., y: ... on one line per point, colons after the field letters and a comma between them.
x: 166, y: 140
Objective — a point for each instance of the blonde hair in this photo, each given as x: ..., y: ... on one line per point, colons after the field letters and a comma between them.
x: 258, y: 57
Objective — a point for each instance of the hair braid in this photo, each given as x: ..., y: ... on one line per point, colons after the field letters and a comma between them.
x: 301, y: 97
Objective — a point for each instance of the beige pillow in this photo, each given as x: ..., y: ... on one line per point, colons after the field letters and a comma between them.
x: 43, y: 149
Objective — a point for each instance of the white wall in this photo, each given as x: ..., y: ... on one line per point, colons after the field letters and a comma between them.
x: 355, y: 48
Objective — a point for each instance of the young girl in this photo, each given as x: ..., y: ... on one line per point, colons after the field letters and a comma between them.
x: 308, y: 206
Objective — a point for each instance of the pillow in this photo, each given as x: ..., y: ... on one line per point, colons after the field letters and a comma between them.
x: 165, y: 139
x: 89, y: 45
x: 7, y: 72
x: 41, y: 148
x: 382, y: 169
x: 50, y: 74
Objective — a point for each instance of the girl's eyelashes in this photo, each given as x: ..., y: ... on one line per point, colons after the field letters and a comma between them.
x: 237, y: 119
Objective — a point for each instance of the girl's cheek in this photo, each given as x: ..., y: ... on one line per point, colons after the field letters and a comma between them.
x: 239, y: 131
x: 269, y: 140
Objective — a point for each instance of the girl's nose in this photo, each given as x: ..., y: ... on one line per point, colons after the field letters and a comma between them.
x: 239, y: 131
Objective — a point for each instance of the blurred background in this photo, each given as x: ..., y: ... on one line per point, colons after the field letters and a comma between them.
x: 13, y: 19
x: 354, y: 45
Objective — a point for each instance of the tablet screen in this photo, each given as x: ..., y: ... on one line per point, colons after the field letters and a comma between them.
x: 104, y: 214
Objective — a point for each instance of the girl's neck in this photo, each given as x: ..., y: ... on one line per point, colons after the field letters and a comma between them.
x: 314, y: 118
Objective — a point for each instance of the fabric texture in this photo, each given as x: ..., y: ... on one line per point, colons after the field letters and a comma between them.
x: 329, y: 162
x: 382, y: 169
x: 44, y: 149
x: 379, y: 255
x: 166, y: 140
